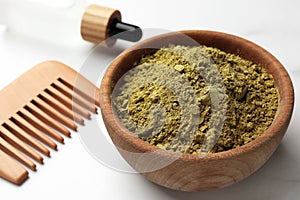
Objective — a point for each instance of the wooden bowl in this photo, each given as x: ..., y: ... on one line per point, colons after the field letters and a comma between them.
x: 193, y: 172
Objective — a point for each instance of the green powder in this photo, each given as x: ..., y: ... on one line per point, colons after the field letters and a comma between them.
x: 196, y: 99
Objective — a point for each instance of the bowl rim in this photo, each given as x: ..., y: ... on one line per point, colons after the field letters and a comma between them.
x: 282, y: 118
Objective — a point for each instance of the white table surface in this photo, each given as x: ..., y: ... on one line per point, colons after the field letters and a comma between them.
x: 72, y: 173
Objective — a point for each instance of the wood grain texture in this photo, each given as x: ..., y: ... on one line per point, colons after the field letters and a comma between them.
x: 34, y: 112
x: 195, y: 172
x: 96, y: 21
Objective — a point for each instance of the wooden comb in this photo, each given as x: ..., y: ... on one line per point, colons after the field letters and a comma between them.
x: 36, y: 109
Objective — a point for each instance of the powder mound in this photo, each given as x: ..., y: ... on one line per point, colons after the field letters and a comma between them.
x: 196, y: 99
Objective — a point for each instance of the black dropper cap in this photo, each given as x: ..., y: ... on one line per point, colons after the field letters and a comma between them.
x: 124, y: 31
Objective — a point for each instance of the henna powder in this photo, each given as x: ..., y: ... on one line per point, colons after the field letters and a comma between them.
x: 196, y: 99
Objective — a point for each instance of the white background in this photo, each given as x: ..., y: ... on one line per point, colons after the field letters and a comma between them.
x: 72, y: 173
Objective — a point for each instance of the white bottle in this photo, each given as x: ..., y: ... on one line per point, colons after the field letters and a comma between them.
x: 62, y: 21
x: 53, y: 22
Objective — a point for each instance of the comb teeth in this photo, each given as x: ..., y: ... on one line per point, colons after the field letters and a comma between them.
x: 33, y: 128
